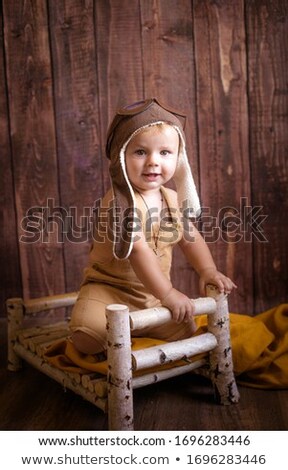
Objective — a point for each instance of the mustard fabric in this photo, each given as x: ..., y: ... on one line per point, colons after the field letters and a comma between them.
x: 259, y: 345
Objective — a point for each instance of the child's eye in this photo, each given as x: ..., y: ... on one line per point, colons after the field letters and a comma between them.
x: 140, y: 152
x: 165, y: 152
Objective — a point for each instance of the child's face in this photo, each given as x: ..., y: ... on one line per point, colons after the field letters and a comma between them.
x: 151, y: 157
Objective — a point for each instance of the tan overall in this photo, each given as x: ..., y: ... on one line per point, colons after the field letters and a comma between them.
x: 109, y: 280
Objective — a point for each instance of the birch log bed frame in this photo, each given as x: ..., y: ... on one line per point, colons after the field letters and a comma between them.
x: 114, y: 393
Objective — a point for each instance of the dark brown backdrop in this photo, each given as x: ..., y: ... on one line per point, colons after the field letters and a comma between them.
x: 66, y: 65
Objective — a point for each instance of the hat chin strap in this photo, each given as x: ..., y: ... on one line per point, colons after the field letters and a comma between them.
x: 131, y: 191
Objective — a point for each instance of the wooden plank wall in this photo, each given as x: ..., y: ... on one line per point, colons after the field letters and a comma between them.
x: 65, y: 66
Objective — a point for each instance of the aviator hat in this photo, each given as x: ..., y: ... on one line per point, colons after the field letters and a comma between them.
x: 128, y: 122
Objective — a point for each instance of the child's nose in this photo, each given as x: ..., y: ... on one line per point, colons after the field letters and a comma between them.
x: 153, y: 158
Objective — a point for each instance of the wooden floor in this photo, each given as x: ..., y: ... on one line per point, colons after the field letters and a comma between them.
x: 31, y: 401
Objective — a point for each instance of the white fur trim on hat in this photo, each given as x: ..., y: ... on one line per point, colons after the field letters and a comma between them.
x: 187, y: 195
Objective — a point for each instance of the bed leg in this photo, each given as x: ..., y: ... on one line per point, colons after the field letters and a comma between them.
x: 15, y: 315
x: 119, y: 377
x: 221, y: 363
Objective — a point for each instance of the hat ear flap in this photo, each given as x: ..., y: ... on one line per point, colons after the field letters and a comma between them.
x: 123, y: 208
x: 188, y: 198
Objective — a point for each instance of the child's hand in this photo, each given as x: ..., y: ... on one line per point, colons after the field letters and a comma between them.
x: 212, y: 276
x: 181, y: 307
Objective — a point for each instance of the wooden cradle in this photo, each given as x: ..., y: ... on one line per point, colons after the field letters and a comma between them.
x: 114, y: 393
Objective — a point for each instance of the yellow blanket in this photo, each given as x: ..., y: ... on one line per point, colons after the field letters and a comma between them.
x: 259, y: 345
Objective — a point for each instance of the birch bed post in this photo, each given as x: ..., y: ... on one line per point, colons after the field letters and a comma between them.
x: 119, y: 376
x: 220, y: 358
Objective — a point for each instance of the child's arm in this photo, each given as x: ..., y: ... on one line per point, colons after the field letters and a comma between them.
x: 146, y: 267
x: 199, y: 256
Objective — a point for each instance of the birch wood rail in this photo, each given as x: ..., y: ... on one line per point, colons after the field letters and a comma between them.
x: 41, y: 304
x: 157, y: 316
x: 101, y: 389
x: 171, y: 352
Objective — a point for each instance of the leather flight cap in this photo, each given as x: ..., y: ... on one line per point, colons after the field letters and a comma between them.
x: 127, y: 122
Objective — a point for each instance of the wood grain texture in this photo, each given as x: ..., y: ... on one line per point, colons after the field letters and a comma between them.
x: 77, y: 127
x: 223, y: 139
x: 11, y: 285
x: 33, y: 138
x: 169, y: 74
x: 119, y: 61
x: 67, y: 66
x: 267, y: 28
x: 193, y: 407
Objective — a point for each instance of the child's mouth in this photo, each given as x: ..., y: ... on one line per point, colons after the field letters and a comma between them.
x: 151, y: 176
